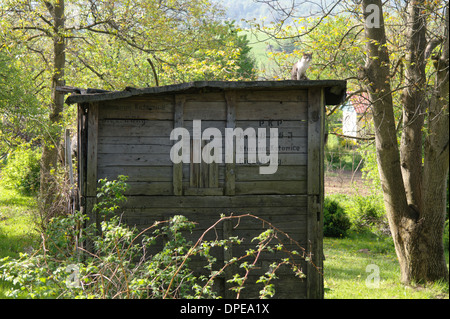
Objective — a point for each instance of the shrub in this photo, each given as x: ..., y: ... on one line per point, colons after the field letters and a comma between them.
x: 22, y: 169
x: 335, y: 221
x: 368, y: 213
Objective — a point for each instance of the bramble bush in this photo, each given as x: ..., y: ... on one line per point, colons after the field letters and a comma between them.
x: 120, y: 264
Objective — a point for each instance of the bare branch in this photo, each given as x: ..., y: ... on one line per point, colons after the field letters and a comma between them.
x: 154, y: 71
x: 353, y: 137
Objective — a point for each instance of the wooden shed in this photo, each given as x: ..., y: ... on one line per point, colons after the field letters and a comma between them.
x: 128, y: 133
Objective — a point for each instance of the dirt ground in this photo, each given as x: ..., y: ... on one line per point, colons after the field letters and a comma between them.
x: 345, y: 182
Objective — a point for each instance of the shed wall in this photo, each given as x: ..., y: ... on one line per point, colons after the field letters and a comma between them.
x: 131, y: 137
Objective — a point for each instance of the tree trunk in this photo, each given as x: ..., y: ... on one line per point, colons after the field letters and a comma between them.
x: 48, y: 185
x: 414, y: 105
x: 415, y: 225
x: 436, y: 167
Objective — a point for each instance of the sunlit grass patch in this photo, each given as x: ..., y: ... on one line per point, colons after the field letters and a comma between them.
x: 17, y: 231
x: 352, y: 264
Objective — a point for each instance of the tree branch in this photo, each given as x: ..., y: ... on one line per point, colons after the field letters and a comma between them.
x: 354, y: 137
x: 154, y: 71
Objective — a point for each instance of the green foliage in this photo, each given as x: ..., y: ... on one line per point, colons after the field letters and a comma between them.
x: 370, y: 168
x: 21, y: 171
x: 334, y: 56
x: 19, y: 108
x: 127, y: 263
x: 335, y: 221
x: 368, y: 213
x: 341, y: 154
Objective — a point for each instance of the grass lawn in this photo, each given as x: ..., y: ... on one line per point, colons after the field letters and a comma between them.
x: 346, y: 263
x: 17, y: 233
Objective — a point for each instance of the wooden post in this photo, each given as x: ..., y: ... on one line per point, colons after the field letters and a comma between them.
x: 91, y: 166
x: 68, y: 158
x: 314, y: 277
x: 230, y: 169
x: 81, y: 151
x: 177, y: 178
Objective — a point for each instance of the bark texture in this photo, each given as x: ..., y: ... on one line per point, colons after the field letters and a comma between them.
x: 48, y: 185
x: 414, y: 194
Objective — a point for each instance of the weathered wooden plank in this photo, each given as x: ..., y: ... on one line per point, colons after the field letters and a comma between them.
x: 213, y: 175
x: 269, y: 213
x: 248, y: 110
x: 177, y: 175
x: 206, y: 97
x: 148, y: 159
x: 283, y: 159
x: 116, y: 130
x: 216, y: 202
x: 139, y: 103
x: 149, y: 188
x: 82, y: 155
x: 292, y: 223
x: 255, y: 188
x: 144, y: 108
x: 270, y: 110
x: 314, y: 185
x: 284, y: 173
x: 92, y: 156
x: 266, y: 258
x: 162, y: 145
x: 195, y: 173
x: 106, y: 148
x: 257, y: 123
x: 286, y: 287
x: 202, y: 175
x: 138, y: 128
x: 274, y: 123
x: 205, y: 191
x: 230, y: 173
x: 136, y: 140
x: 243, y: 173
x: 137, y: 173
x: 274, y: 96
x: 144, y: 159
x: 205, y: 110
x: 271, y: 187
x: 286, y: 129
x: 315, y: 140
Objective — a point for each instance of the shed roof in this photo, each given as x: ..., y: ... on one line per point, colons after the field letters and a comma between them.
x: 335, y: 90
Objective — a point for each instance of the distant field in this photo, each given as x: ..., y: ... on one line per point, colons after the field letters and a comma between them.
x: 260, y: 44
